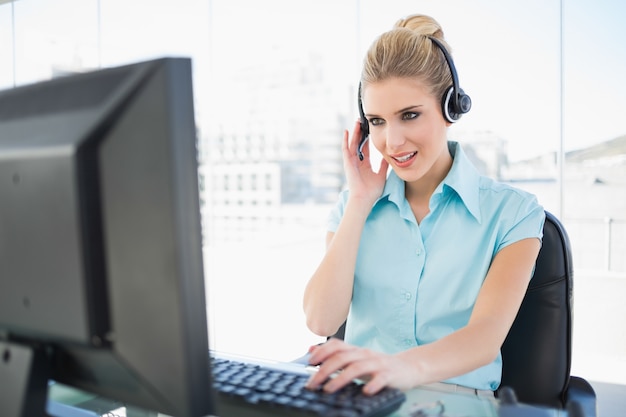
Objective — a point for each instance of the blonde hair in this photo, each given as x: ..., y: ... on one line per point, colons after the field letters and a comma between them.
x: 406, y: 51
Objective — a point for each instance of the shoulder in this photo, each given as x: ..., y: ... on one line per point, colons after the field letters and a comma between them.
x: 496, y: 195
x: 514, y: 213
x: 511, y: 212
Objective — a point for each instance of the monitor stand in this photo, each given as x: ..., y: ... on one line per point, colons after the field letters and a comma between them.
x: 24, y: 372
x: 24, y: 386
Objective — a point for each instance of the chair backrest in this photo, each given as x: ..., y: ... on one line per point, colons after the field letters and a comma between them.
x: 537, y: 352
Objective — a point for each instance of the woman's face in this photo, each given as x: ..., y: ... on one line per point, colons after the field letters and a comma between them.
x: 407, y: 127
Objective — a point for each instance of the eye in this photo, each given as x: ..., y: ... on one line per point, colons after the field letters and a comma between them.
x: 376, y: 121
x: 410, y: 115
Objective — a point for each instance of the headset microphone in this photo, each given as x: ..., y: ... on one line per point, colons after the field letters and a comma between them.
x: 365, y: 127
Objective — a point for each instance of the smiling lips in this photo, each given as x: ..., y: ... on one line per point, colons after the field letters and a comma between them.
x: 405, y: 159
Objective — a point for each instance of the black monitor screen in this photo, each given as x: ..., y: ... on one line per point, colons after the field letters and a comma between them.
x: 101, y: 269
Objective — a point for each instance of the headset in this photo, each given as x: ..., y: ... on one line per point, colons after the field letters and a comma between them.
x: 454, y: 103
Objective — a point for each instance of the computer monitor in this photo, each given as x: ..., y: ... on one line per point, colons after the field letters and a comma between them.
x: 101, y: 269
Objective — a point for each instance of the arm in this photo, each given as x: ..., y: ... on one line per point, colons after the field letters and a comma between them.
x: 468, y: 348
x: 328, y: 293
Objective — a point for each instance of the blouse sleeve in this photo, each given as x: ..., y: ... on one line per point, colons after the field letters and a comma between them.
x: 527, y: 221
x: 336, y: 214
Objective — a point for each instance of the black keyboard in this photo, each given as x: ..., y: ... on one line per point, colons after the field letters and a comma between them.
x: 246, y: 389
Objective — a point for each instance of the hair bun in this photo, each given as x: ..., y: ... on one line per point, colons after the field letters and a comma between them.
x: 421, y: 24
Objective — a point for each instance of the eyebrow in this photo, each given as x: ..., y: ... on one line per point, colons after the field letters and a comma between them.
x: 409, y: 108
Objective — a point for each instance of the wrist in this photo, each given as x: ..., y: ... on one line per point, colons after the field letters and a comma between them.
x: 420, y: 373
x: 359, y: 206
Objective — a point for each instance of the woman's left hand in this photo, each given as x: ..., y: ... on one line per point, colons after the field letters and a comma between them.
x: 345, y: 363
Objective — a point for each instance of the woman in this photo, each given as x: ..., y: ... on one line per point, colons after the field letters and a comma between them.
x: 429, y: 264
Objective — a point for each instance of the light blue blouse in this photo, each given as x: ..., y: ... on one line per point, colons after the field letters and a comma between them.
x: 414, y: 283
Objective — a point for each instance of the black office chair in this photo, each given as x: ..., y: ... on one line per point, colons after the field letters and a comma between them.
x: 537, y: 352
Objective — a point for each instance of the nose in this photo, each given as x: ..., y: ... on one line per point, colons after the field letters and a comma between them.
x: 395, y: 137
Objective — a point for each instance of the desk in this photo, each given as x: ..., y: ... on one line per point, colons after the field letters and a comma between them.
x: 454, y: 405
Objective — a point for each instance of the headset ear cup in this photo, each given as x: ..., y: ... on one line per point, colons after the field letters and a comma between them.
x: 454, y: 106
x: 463, y: 103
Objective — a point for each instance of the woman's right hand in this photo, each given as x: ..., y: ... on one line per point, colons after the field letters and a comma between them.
x: 364, y: 183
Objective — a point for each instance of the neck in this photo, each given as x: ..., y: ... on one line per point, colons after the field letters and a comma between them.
x: 421, y: 190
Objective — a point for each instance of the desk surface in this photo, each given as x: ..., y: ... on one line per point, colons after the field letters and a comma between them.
x: 429, y: 401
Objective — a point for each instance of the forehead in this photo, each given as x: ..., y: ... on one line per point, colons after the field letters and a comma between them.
x: 393, y: 94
